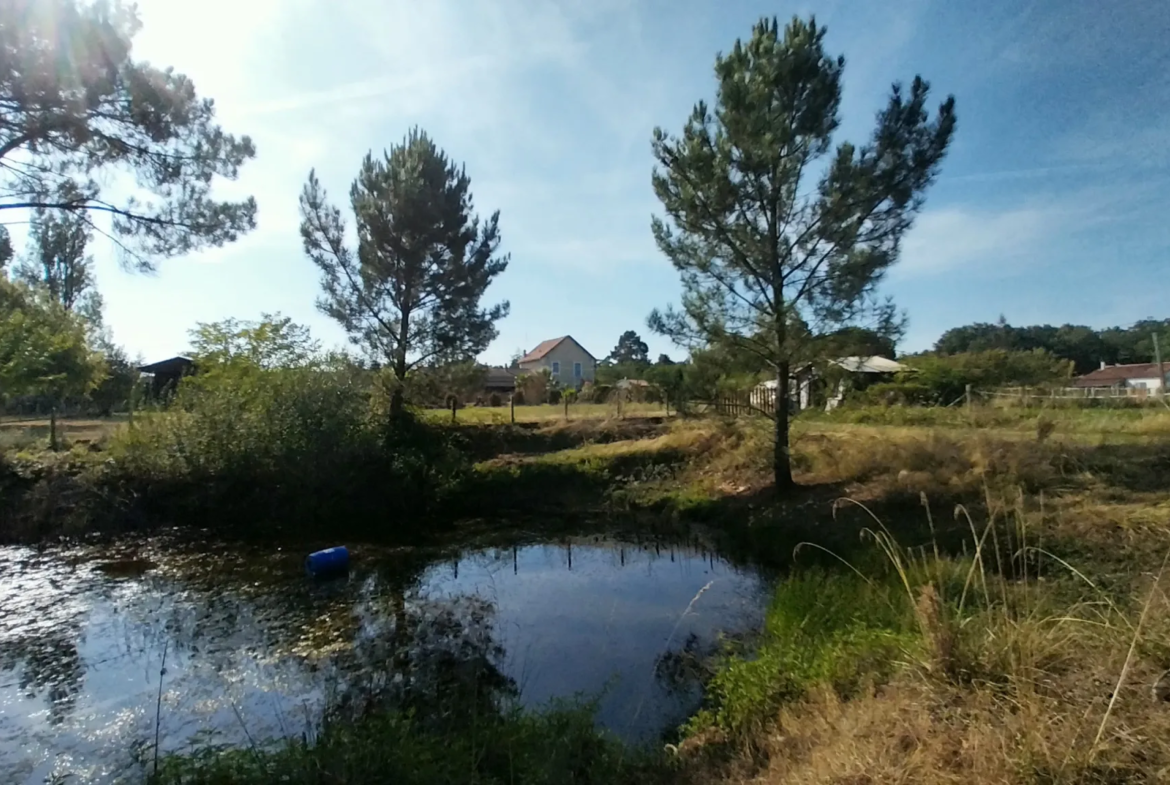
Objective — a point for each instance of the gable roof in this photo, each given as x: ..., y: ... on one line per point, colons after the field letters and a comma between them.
x: 499, y: 377
x: 1116, y: 374
x: 875, y: 364
x: 178, y: 364
x: 544, y: 347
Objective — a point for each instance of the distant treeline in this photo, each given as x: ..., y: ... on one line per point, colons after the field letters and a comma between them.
x: 1085, y: 347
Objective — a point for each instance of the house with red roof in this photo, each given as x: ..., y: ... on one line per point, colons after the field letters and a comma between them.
x: 1141, y: 376
x: 567, y: 361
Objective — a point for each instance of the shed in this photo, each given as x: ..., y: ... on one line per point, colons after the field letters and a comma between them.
x: 165, y: 374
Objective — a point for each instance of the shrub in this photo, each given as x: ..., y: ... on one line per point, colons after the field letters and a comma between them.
x: 895, y: 394
x: 554, y: 396
x: 518, y: 397
x: 600, y: 393
x: 495, y: 400
x: 282, y: 449
x: 947, y: 376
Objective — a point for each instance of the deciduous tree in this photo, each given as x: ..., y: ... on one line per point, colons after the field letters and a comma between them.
x: 76, y: 108
x: 44, y: 349
x: 272, y: 342
x: 410, y: 293
x: 767, y: 223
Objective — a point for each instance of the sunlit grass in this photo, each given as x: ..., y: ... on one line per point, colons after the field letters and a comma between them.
x: 546, y: 413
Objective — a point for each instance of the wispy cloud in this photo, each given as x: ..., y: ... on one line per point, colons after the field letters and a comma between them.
x: 963, y: 237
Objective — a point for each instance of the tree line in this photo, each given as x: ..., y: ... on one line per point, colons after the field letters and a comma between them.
x: 1085, y: 347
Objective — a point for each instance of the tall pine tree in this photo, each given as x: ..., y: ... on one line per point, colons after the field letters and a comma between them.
x: 410, y: 294
x: 768, y: 224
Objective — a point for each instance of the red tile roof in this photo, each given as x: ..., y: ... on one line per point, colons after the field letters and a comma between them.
x: 1111, y: 375
x: 544, y: 347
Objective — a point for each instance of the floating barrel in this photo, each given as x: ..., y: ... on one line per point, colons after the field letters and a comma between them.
x: 327, y: 562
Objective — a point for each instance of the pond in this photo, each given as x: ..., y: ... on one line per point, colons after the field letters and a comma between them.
x: 100, y: 650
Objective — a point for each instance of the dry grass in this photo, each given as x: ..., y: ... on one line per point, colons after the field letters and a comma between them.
x: 21, y: 432
x: 501, y: 415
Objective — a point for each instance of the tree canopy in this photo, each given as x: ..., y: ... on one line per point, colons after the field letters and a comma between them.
x: 768, y: 224
x: 411, y: 292
x: 43, y: 348
x: 272, y: 342
x: 58, y: 263
x: 75, y: 108
x: 1085, y: 346
x: 630, y: 349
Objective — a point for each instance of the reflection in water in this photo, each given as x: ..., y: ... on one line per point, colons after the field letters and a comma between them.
x: 255, y: 650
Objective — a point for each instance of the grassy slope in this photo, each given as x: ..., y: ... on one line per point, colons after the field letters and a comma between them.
x: 985, y: 646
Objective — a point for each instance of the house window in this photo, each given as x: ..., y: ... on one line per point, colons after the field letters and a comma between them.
x: 576, y: 370
x: 556, y: 368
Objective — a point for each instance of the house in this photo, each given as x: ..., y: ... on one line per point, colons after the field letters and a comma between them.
x: 566, y: 361
x: 801, y: 381
x: 165, y: 374
x: 1140, y: 376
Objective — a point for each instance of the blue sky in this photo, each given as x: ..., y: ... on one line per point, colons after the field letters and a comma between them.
x: 1050, y: 207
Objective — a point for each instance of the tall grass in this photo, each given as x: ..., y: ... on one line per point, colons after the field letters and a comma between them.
x: 550, y: 747
x: 1002, y: 663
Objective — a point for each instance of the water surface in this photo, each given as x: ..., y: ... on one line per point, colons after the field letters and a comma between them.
x: 254, y: 650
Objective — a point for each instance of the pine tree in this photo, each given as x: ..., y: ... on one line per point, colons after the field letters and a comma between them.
x: 411, y: 293
x: 777, y: 236
x: 75, y: 107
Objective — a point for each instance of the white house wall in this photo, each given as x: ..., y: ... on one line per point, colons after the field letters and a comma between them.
x: 566, y: 353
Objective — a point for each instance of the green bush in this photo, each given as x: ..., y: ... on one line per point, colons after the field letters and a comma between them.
x: 895, y: 394
x: 554, y: 396
x: 600, y: 393
x: 284, y: 449
x: 947, y: 376
x: 495, y: 400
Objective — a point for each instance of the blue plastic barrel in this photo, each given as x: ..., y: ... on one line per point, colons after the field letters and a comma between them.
x: 327, y: 562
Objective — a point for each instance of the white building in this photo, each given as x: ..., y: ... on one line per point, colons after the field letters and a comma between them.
x: 567, y: 361
x: 1140, y: 376
x: 801, y: 383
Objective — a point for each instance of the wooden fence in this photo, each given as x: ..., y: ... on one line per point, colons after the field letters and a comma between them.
x: 745, y: 404
x: 1071, y: 393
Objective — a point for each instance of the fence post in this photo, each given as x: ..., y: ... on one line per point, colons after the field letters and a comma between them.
x: 454, y: 407
x: 566, y: 400
x: 967, y: 396
x: 512, y: 406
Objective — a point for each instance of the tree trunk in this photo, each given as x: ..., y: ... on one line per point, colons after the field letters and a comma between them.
x: 781, y: 458
x: 398, y: 397
x: 53, y: 427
